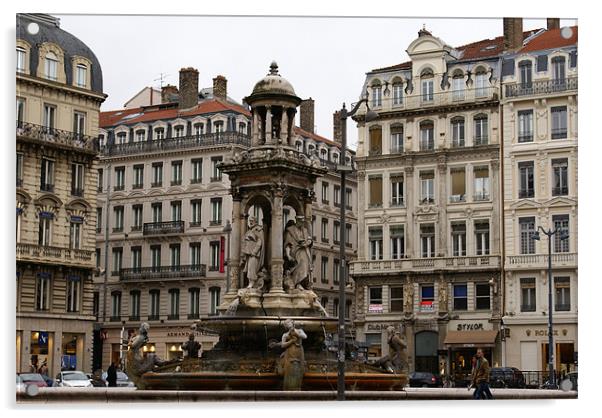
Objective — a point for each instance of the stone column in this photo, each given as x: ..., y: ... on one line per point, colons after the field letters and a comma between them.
x: 276, y: 238
x: 498, y: 201
x: 256, y: 128
x: 235, y: 241
x: 284, y: 128
x: 442, y: 204
x: 308, y: 224
x: 268, y: 125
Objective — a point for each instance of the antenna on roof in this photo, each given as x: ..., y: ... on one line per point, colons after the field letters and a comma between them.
x: 162, y: 77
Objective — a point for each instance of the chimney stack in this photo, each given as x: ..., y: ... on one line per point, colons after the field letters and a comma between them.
x: 553, y: 23
x: 307, y: 115
x: 220, y: 87
x: 337, y: 134
x: 513, y: 33
x: 189, y: 88
x: 169, y: 94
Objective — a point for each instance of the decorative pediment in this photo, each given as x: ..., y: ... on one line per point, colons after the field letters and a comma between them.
x: 155, y: 192
x: 427, y: 210
x: 136, y: 194
x: 175, y: 189
x: 525, y: 204
x: 560, y: 201
x: 23, y: 197
x: 78, y: 205
x: 48, y: 203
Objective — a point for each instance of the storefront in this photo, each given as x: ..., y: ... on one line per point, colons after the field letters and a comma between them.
x: 72, y: 351
x: 39, y: 348
x: 461, y: 348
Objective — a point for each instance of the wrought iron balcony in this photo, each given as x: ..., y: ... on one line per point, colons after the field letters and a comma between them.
x: 560, y: 133
x: 163, y: 272
x: 158, y: 228
x: 541, y: 87
x: 171, y: 143
x: 523, y: 194
x: 560, y: 191
x: 58, y: 137
x: 60, y: 255
x: 47, y: 187
x: 425, y: 264
x: 75, y: 191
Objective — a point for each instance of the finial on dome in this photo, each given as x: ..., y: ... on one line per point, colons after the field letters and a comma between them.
x: 273, y: 68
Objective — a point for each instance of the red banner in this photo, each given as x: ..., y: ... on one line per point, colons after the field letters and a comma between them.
x: 222, y: 257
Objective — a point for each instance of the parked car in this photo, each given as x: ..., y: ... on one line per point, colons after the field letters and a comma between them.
x: 33, y: 379
x: 425, y: 379
x: 72, y: 378
x: 506, y: 377
x: 123, y: 381
x: 20, y: 384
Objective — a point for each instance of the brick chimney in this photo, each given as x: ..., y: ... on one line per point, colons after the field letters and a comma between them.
x: 336, y: 127
x: 189, y: 88
x: 169, y: 94
x: 220, y: 87
x: 307, y: 115
x: 553, y: 23
x: 513, y: 33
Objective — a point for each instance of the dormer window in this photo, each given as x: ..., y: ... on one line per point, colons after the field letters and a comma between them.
x: 52, y: 63
x: 335, y: 158
x: 121, y: 138
x: 178, y: 131
x: 159, y: 133
x: 377, y: 94
x: 481, y: 83
x: 558, y: 70
x: 458, y: 87
x: 140, y: 134
x: 21, y: 55
x: 198, y: 129
x: 526, y: 73
x: 397, y: 92
x: 242, y: 128
x: 81, y: 75
x: 323, y: 154
x: 427, y: 84
x: 310, y: 149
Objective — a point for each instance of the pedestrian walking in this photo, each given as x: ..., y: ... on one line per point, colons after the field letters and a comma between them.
x: 480, y: 377
x: 112, y: 375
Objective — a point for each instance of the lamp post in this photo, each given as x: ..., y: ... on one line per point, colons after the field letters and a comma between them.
x: 563, y: 235
x: 343, y: 169
x: 227, y: 230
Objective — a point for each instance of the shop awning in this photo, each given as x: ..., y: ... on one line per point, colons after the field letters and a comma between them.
x: 470, y: 339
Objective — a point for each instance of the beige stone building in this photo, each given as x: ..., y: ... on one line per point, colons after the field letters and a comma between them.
x: 59, y: 93
x: 540, y: 190
x: 164, y: 204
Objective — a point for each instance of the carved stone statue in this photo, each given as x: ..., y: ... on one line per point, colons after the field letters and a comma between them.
x: 408, y: 297
x: 293, y: 357
x: 443, y: 297
x: 253, y: 254
x: 397, y: 359
x: 297, y: 250
x: 137, y: 363
x: 191, y: 347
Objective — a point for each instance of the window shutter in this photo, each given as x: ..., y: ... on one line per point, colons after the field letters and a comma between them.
x: 542, y: 63
x: 573, y: 59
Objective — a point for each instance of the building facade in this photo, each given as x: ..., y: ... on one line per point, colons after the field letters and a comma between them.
x: 164, y: 206
x: 540, y: 190
x: 59, y: 93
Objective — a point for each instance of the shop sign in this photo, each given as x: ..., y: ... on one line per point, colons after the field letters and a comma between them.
x: 544, y: 332
x: 477, y: 326
x: 184, y: 334
x: 375, y: 308
x: 426, y: 306
x: 377, y: 327
x: 43, y: 338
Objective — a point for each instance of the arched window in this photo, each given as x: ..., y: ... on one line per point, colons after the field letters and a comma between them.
x: 198, y: 129
x: 310, y: 149
x: 458, y: 86
x: 51, y: 67
x: 299, y: 145
x: 427, y: 135
x: 427, y: 82
x: 397, y: 91
x: 377, y: 94
x: 458, y: 132
x: 396, y: 138
x: 140, y: 135
x: 335, y: 158
x: 21, y: 56
x: 323, y: 154
x: 81, y: 75
x: 481, y: 130
x: 481, y: 82
x: 178, y: 131
x: 159, y: 133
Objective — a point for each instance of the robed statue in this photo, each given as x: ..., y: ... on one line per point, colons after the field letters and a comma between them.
x: 297, y: 251
x: 253, y: 252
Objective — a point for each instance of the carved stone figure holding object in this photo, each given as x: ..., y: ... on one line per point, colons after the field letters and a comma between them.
x: 293, y: 357
x: 191, y: 347
x: 397, y: 359
x: 297, y: 247
x: 253, y: 254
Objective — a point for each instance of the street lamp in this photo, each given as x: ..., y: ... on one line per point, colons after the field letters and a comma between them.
x: 563, y: 236
x: 227, y: 230
x: 343, y: 168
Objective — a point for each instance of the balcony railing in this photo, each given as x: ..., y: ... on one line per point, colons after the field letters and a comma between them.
x: 77, y: 192
x: 57, y: 136
x: 418, y: 100
x: 212, y: 139
x: 525, y: 137
x: 157, y: 228
x: 397, y: 203
x: 47, y: 187
x: 541, y: 87
x: 541, y: 260
x: 559, y: 133
x: 481, y: 140
x: 457, y: 198
x: 426, y: 264
x: 164, y: 272
x: 60, y: 255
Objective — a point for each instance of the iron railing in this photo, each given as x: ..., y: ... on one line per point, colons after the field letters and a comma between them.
x: 444, y: 98
x: 541, y: 87
x: 560, y: 191
x: 522, y: 194
x: 57, y: 136
x: 163, y: 272
x: 156, y: 228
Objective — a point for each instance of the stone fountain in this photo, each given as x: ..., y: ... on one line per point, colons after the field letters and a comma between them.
x: 273, y: 332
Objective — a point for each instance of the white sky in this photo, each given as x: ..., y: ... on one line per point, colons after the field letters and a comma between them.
x: 323, y: 58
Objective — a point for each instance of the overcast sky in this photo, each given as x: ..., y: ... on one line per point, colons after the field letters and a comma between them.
x: 323, y: 58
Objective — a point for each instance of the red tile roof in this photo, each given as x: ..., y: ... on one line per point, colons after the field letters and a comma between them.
x: 315, y: 137
x: 551, y: 39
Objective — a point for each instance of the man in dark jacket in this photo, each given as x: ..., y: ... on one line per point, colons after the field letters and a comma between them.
x: 112, y: 375
x: 481, y: 377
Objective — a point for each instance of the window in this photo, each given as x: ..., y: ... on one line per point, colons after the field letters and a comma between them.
x: 100, y: 178
x: 174, y: 256
x: 483, y: 297
x: 427, y: 85
x: 19, y: 169
x: 51, y: 66
x: 155, y: 257
x: 375, y: 184
x: 121, y: 138
x: 137, y: 217
x: 119, y: 178
x: 96, y: 304
x: 348, y: 242
x: 214, y: 248
x: 101, y: 140
x: 337, y: 196
x: 49, y: 118
x: 117, y: 258
x: 459, y: 239
x: 136, y: 258
x: 396, y: 139
x: 375, y: 236
x: 140, y: 134
x: 559, y: 122
x: 197, y: 170
x: 47, y: 175
x: 458, y: 87
x: 81, y: 75
x: 427, y: 136
x: 427, y: 240
x: 98, y: 220
x: 218, y: 127
x: 376, y: 140
x: 138, y: 177
x: 527, y: 229
x: 561, y: 223
x: 198, y: 129
x: 525, y: 74
x: 178, y: 131
x: 559, y: 71
x: 325, y: 192
x: 176, y: 211
x: 397, y: 93
x: 377, y: 94
x: 375, y: 295
x: 562, y: 293
x: 242, y: 128
x: 21, y: 55
x: 118, y: 215
x: 481, y: 230
x: 45, y: 228
x: 174, y: 304
x: 525, y: 125
x: 396, y: 233
x: 75, y: 233
x: 176, y: 173
x: 134, y: 305
x: 299, y: 146
x: 154, y: 296
x: 43, y: 292
x: 77, y: 179
x: 194, y: 297
x: 460, y: 297
x: 335, y: 307
x: 396, y: 299
x: 458, y: 185
x: 115, y: 306
x: 336, y: 232
x: 526, y: 178
x: 195, y: 255
x: 79, y: 124
x: 324, y: 270
x: 324, y: 230
x: 481, y: 183
x: 560, y: 177
x: 98, y: 255
x: 427, y: 184
x: 527, y: 291
x: 159, y: 133
x: 458, y: 139
x: 20, y: 112
x: 195, y: 208
x: 216, y: 211
x: 481, y: 84
x: 157, y: 212
x: 216, y: 173
x: 348, y: 196
x: 336, y: 270
x: 157, y: 175
x: 396, y: 189
x: 481, y: 130
x: 214, y: 300
x: 427, y: 297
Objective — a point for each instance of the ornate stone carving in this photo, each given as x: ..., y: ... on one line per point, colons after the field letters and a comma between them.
x: 397, y: 359
x: 253, y: 253
x: 292, y: 360
x: 297, y: 252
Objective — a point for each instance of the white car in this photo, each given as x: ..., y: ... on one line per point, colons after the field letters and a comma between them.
x: 73, y: 379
